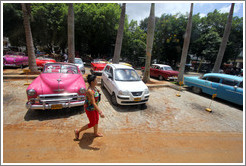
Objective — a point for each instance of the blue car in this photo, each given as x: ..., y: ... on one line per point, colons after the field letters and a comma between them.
x: 226, y: 86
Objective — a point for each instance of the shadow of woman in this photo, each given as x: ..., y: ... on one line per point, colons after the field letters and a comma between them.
x: 86, y: 141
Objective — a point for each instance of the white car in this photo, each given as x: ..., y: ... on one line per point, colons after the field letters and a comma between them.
x: 78, y: 62
x: 124, y: 85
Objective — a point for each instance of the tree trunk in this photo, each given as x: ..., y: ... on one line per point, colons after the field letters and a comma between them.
x: 70, y: 22
x: 223, y: 42
x: 185, y: 46
x: 29, y: 41
x: 149, y: 46
x: 118, y: 44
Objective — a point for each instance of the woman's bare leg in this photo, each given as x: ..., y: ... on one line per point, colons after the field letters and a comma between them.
x: 96, y: 131
x: 78, y: 131
x: 85, y: 127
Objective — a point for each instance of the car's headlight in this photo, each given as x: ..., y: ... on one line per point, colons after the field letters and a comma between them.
x: 82, y: 90
x: 146, y: 91
x: 31, y: 92
x: 125, y: 93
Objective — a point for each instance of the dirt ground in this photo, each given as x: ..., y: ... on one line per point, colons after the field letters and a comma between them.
x: 170, y: 130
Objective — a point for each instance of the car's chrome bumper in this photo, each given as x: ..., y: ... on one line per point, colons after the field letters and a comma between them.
x: 98, y: 72
x: 48, y: 106
x: 127, y: 100
x: 172, y: 78
x: 10, y: 65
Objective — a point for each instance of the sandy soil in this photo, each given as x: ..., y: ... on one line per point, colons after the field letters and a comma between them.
x: 170, y: 130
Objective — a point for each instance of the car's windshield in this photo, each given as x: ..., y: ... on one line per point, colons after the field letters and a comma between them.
x: 126, y: 75
x: 99, y: 61
x: 166, y: 68
x: 60, y: 68
x: 78, y: 61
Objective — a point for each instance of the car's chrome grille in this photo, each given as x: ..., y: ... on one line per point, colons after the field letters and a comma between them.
x: 137, y: 93
x: 59, y: 98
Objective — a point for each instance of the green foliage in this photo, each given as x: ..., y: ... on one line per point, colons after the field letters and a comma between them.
x: 134, y: 43
x: 49, y: 25
x: 13, y: 23
x: 96, y: 27
x: 168, y: 41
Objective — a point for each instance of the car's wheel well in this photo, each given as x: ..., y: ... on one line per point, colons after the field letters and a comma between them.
x: 114, y: 102
x: 196, y: 89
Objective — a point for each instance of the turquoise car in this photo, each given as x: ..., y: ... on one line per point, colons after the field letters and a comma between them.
x: 226, y: 86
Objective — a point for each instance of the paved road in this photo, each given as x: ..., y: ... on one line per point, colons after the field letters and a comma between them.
x: 170, y: 129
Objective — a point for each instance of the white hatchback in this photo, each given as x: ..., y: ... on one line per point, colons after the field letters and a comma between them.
x: 124, y: 85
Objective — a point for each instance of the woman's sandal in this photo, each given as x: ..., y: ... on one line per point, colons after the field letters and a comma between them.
x: 76, y: 134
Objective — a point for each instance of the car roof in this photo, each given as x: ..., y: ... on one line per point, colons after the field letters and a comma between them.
x: 119, y: 66
x: 62, y: 63
x: 225, y: 76
x: 161, y: 65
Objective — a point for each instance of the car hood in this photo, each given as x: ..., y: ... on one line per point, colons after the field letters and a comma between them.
x: 51, y: 83
x: 79, y: 65
x: 131, y: 86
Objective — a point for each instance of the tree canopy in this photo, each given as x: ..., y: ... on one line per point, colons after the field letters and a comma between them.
x: 96, y: 27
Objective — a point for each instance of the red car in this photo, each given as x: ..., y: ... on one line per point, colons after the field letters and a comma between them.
x: 41, y: 61
x: 163, y: 72
x: 97, y: 66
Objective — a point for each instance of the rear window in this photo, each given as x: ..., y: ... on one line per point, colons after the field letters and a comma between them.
x: 229, y: 82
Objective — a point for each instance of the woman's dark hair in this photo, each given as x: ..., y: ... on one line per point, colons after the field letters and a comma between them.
x: 91, y: 78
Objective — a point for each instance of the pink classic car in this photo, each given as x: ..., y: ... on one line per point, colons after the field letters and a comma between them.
x: 60, y: 85
x: 15, y: 59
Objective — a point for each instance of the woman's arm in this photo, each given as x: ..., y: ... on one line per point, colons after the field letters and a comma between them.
x: 91, y: 98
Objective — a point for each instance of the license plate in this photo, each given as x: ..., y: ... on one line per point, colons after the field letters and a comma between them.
x: 137, y: 99
x: 56, y: 106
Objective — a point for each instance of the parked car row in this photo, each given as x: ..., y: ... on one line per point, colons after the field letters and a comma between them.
x: 61, y: 85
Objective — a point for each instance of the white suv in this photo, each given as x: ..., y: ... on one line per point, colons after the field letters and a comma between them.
x: 124, y: 85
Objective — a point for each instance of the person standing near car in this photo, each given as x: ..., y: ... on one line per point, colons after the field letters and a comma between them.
x: 91, y: 107
x: 65, y: 57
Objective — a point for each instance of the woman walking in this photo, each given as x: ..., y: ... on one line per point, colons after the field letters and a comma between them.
x: 91, y: 107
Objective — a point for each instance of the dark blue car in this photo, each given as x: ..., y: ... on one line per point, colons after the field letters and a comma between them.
x: 226, y: 86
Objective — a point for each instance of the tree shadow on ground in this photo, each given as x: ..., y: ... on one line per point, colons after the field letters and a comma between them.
x: 123, y: 108
x: 86, y: 141
x: 52, y: 114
